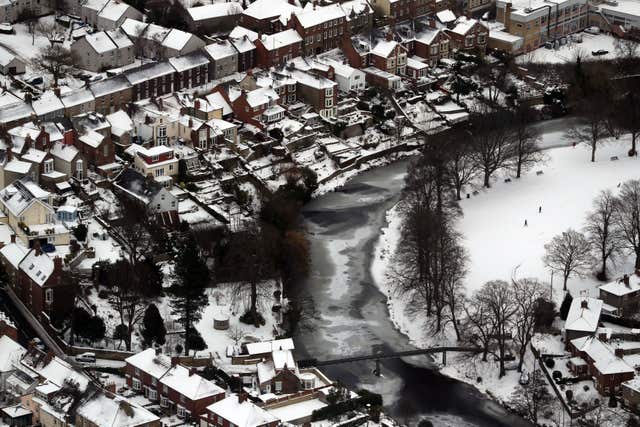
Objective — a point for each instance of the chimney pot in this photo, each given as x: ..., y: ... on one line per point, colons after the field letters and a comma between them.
x: 625, y: 280
x: 13, y: 238
x: 619, y: 352
x: 242, y: 396
x: 584, y: 303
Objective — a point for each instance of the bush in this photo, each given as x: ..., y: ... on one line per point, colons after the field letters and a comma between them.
x: 191, y: 187
x: 178, y: 349
x: 425, y: 423
x: 585, y: 388
x: 613, y: 402
x: 569, y: 394
x: 103, y: 294
x: 80, y: 232
x: 565, y: 306
x: 249, y: 320
x: 549, y: 362
x: 557, y: 375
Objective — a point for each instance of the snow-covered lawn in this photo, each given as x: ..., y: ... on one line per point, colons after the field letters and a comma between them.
x: 569, y: 51
x: 499, y: 244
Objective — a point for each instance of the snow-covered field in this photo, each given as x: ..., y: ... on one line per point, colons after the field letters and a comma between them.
x: 570, y: 51
x: 493, y: 222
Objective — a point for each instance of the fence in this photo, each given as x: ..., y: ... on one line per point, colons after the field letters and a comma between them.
x: 554, y: 386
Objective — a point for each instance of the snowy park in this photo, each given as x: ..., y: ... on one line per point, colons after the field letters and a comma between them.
x: 498, y: 243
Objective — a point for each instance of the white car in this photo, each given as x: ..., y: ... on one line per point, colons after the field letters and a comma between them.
x: 592, y: 30
x: 86, y: 357
x: 6, y: 28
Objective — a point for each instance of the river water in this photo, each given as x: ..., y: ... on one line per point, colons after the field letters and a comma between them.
x: 345, y: 314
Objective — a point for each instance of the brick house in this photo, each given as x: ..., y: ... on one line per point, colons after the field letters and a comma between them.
x: 236, y: 410
x: 317, y: 91
x: 268, y: 16
x: 210, y: 18
x: 279, y: 374
x: 277, y: 49
x: 246, y: 52
x: 158, y: 162
x: 78, y: 102
x: 621, y: 297
x: 605, y: 363
x: 359, y: 15
x: 151, y: 80
x: 39, y: 282
x: 469, y: 35
x: 398, y: 10
x: 111, y: 95
x: 433, y: 45
x: 191, y: 70
x: 321, y: 27
x: 94, y: 139
x: 389, y: 56
x: 177, y: 388
x: 258, y: 107
x: 416, y: 69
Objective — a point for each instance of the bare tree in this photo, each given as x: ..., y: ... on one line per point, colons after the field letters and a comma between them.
x: 49, y: 30
x: 131, y: 228
x: 627, y: 217
x: 602, y: 233
x: 126, y: 297
x: 525, y: 139
x: 492, y: 142
x: 531, y: 399
x: 499, y: 299
x: 55, y: 60
x: 528, y: 293
x: 478, y: 326
x: 568, y: 253
x: 627, y: 52
x: 461, y: 167
x: 628, y: 109
x: 592, y: 99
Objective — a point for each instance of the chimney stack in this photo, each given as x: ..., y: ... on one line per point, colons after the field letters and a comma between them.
x: 57, y: 264
x: 619, y: 352
x: 625, y: 280
x: 158, y: 351
x: 36, y: 247
x: 242, y: 396
x: 432, y: 22
x: 584, y: 303
x: 389, y: 36
x: 13, y: 237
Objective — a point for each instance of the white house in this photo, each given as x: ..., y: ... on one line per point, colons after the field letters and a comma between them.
x: 10, y: 64
x: 153, y: 195
x: 347, y: 77
x: 10, y: 354
x: 103, y: 50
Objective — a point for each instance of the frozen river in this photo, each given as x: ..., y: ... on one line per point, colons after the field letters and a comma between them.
x: 345, y: 313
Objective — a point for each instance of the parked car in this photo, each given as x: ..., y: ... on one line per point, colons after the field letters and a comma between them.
x: 86, y: 357
x: 39, y: 344
x: 576, y: 38
x: 592, y: 30
x: 6, y: 28
x: 599, y: 52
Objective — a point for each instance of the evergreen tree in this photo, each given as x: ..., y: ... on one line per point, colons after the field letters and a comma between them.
x: 191, y: 278
x: 95, y: 329
x: 153, y: 329
x: 565, y: 306
x: 195, y: 341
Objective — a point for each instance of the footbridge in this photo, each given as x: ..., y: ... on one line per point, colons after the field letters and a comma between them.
x: 377, y: 357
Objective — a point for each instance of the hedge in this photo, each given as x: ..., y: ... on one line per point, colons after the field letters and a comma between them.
x: 340, y: 408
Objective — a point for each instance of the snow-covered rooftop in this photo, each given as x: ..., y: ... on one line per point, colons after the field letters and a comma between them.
x: 384, y: 48
x: 316, y: 15
x: 619, y: 288
x: 10, y: 353
x: 446, y: 16
x: 215, y: 10
x: 220, y: 49
x: 38, y: 266
x: 148, y: 361
x: 190, y: 385
x: 244, y: 414
x: 603, y: 356
x: 270, y: 346
x: 114, y: 411
x: 189, y: 61
x: 584, y: 314
x: 281, y: 39
x: 265, y: 9
x: 240, y: 32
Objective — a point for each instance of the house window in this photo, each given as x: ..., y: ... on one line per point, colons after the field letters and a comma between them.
x: 434, y: 50
x: 137, y: 372
x: 164, y: 402
x: 481, y: 39
x: 159, y: 172
x: 153, y: 394
x: 328, y: 102
x: 328, y: 92
x: 79, y: 169
x: 48, y: 295
x: 182, y: 412
x: 137, y: 384
x: 278, y: 386
x: 468, y: 41
x: 154, y: 381
x: 154, y: 158
x: 48, y: 166
x: 165, y: 389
